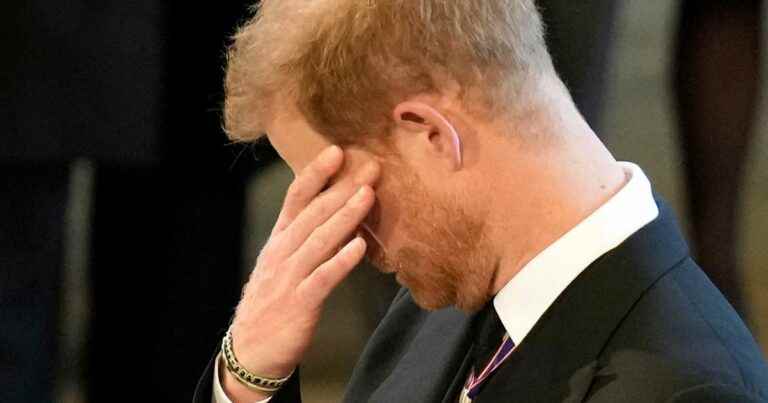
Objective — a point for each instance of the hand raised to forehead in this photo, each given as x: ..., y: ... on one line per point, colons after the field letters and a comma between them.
x: 307, y: 255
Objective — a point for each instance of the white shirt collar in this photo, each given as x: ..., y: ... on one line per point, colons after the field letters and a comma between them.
x: 525, y: 298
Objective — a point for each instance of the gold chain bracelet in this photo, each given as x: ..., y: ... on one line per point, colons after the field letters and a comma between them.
x: 244, y: 376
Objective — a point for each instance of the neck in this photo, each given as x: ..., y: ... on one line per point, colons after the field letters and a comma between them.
x: 548, y: 191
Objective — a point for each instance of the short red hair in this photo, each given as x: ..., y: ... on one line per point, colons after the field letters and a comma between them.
x: 347, y: 63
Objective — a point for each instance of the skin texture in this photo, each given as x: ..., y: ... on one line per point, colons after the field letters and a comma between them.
x: 453, y: 204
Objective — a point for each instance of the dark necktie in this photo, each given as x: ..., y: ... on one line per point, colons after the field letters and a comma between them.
x: 490, y: 348
x: 488, y: 333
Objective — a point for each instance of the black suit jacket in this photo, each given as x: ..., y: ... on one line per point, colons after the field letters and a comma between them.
x: 641, y: 324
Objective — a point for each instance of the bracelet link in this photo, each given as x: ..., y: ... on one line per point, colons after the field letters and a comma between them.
x: 244, y: 376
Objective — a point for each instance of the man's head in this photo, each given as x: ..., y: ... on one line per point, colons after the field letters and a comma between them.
x: 444, y: 94
x: 346, y: 64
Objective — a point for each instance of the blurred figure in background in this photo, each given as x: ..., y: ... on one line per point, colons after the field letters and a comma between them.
x: 135, y: 87
x: 716, y: 83
x: 581, y: 49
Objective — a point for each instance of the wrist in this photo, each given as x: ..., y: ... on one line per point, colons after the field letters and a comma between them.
x: 235, y: 370
x: 258, y: 357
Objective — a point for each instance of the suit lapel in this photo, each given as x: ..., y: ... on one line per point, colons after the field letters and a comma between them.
x: 557, y: 359
x: 459, y: 378
x: 431, y: 362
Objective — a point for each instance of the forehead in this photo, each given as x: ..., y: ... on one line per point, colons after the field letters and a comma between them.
x: 294, y: 139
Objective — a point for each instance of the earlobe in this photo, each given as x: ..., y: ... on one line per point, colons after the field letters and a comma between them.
x: 420, y: 117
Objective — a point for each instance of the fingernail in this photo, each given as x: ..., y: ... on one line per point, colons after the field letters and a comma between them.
x: 367, y: 173
x: 359, y: 196
x: 331, y: 151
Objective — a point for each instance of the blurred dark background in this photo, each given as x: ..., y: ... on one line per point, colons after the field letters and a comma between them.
x: 128, y: 223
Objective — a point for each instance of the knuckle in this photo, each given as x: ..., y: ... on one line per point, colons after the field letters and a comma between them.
x: 322, y: 279
x: 306, y: 296
x: 349, y: 213
x: 323, y: 209
x: 268, y: 251
x: 270, y: 244
x: 296, y: 190
x: 309, y: 169
x: 314, y: 170
x: 276, y: 241
x: 263, y: 263
x: 301, y: 297
x: 289, y: 265
x: 318, y: 242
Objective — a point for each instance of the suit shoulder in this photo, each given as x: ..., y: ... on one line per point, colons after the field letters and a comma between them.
x: 640, y: 375
x: 680, y: 334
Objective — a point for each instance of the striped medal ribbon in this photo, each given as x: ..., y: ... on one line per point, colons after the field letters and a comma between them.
x: 472, y: 386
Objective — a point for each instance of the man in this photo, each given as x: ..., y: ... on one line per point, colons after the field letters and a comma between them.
x: 536, y: 268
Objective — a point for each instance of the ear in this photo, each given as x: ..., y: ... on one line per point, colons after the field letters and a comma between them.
x: 432, y: 129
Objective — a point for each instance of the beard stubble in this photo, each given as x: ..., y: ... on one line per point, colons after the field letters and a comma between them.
x: 446, y: 259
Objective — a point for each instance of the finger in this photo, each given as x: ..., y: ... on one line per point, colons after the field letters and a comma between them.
x: 325, y: 278
x: 324, y: 240
x: 310, y: 181
x: 323, y: 207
